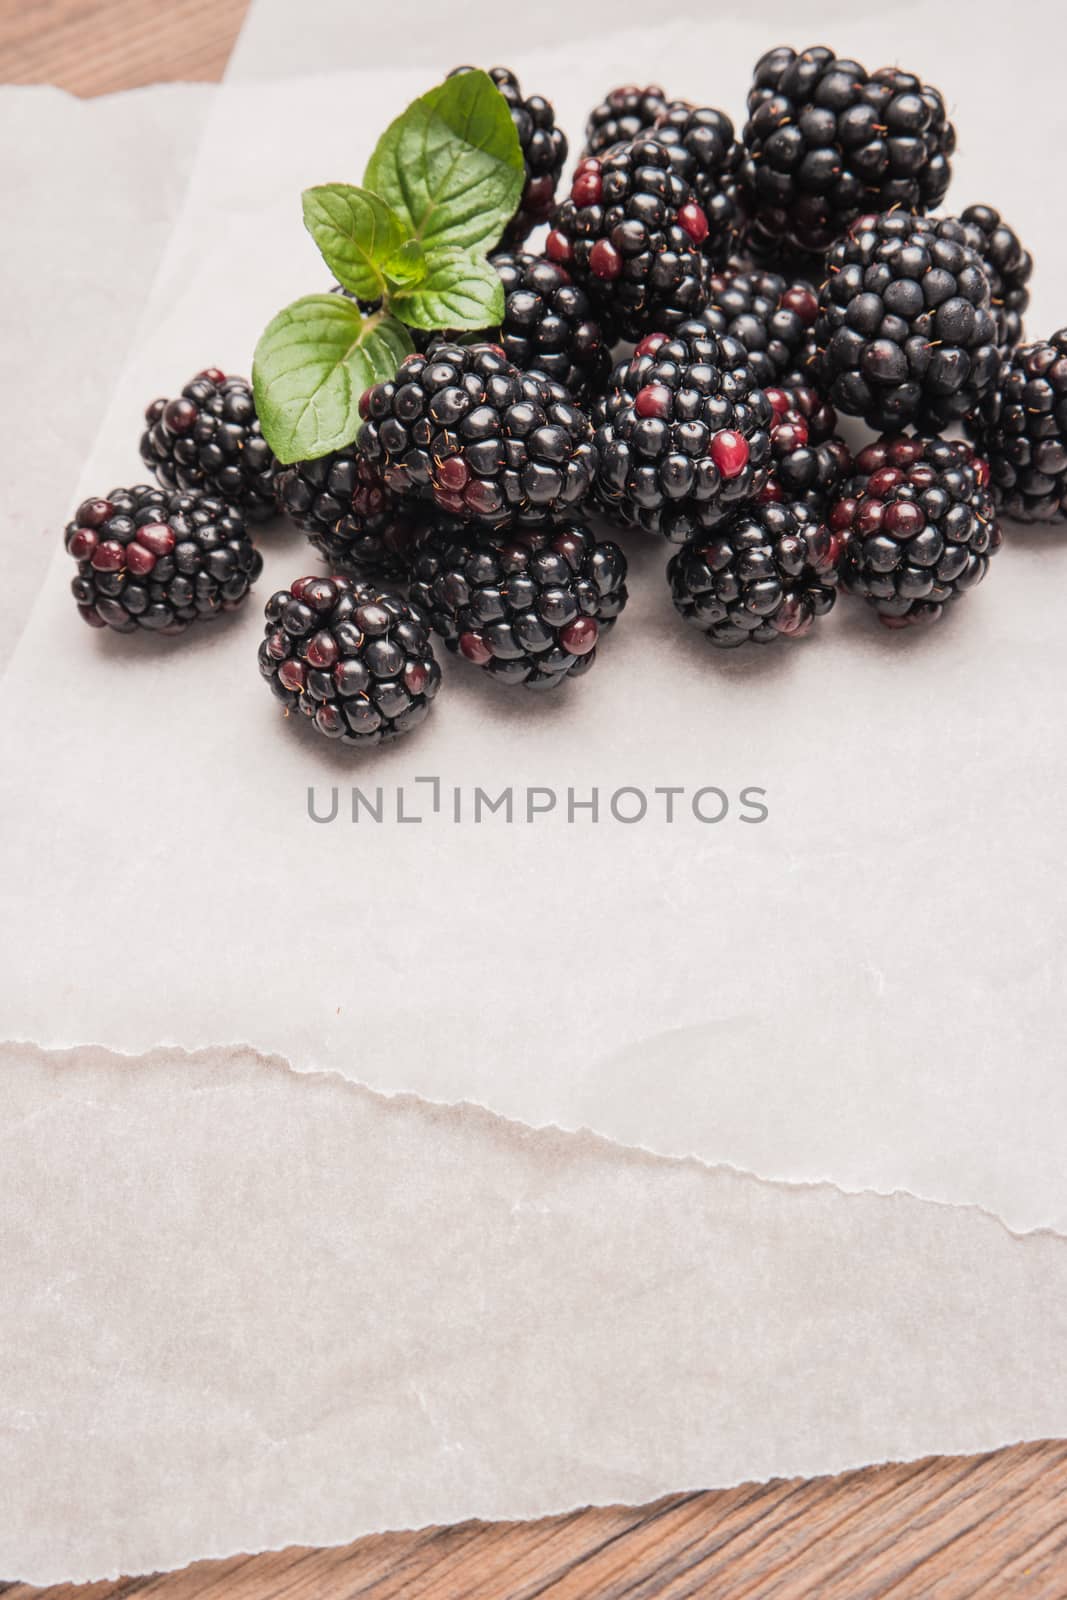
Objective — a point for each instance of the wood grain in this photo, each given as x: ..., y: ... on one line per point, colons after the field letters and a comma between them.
x: 948, y: 1528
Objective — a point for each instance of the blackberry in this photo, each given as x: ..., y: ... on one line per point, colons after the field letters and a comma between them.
x: 768, y: 571
x: 549, y: 324
x: 809, y: 461
x: 826, y: 142
x: 630, y: 233
x: 159, y: 559
x: 1023, y: 431
x: 527, y: 607
x: 906, y: 334
x: 353, y: 658
x: 708, y: 156
x: 349, y: 515
x: 622, y: 115
x: 919, y: 527
x: 1009, y: 267
x: 544, y: 150
x: 463, y: 427
x: 773, y: 318
x: 209, y: 439
x: 683, y: 435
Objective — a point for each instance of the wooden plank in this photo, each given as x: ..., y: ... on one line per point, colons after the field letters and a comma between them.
x: 949, y: 1528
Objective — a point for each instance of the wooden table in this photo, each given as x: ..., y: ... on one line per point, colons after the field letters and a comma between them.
x: 941, y: 1529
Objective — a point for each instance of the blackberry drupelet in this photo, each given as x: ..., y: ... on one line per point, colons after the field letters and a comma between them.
x: 683, y: 435
x: 354, y: 659
x: 549, y: 324
x: 826, y: 142
x: 919, y: 526
x: 465, y: 428
x: 773, y: 318
x: 906, y: 334
x: 708, y: 156
x: 544, y: 150
x: 159, y: 559
x: 809, y: 461
x: 765, y: 573
x: 1009, y: 267
x: 529, y: 607
x: 349, y: 515
x: 209, y: 439
x: 622, y: 115
x: 1022, y: 430
x: 630, y: 233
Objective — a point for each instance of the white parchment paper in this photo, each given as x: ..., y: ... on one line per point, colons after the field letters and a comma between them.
x: 243, y: 1308
x: 866, y: 986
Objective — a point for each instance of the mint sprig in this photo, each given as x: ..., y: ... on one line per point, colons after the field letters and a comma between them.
x: 444, y: 181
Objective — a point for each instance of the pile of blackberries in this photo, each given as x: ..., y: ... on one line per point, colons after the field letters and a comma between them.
x: 710, y: 297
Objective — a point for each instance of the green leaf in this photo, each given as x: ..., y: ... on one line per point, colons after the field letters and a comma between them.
x: 356, y: 232
x: 451, y: 166
x: 460, y: 290
x: 312, y: 364
x: 407, y: 267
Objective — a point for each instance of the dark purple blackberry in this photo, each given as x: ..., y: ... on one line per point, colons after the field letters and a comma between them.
x: 544, y: 150
x: 209, y: 440
x: 622, y: 115
x: 809, y: 461
x: 826, y: 142
x: 529, y: 606
x: 630, y: 233
x: 1009, y: 267
x: 353, y: 658
x: 159, y: 559
x: 549, y: 324
x: 349, y: 515
x: 906, y: 334
x: 683, y: 435
x: 709, y: 158
x: 919, y: 526
x: 463, y: 427
x: 1022, y: 429
x: 773, y: 318
x: 766, y: 572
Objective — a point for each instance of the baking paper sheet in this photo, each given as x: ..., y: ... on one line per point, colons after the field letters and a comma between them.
x: 244, y: 1308
x: 865, y: 986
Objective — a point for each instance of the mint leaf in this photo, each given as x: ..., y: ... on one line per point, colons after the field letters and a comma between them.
x: 407, y: 267
x: 451, y: 166
x: 460, y: 290
x: 356, y: 232
x: 312, y: 364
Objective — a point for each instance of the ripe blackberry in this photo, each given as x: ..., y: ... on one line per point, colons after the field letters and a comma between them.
x: 708, y: 156
x: 209, y: 439
x: 549, y: 324
x: 529, y: 606
x: 630, y: 233
x: 683, y: 435
x: 773, y: 318
x: 766, y: 572
x: 1023, y: 431
x: 159, y: 559
x: 1009, y: 267
x: 544, y: 150
x: 919, y: 527
x: 622, y: 115
x: 349, y: 515
x: 826, y: 142
x: 353, y: 658
x: 463, y: 427
x: 906, y: 334
x: 809, y: 461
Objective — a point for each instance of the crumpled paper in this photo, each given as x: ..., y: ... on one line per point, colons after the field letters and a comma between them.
x: 248, y: 1308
